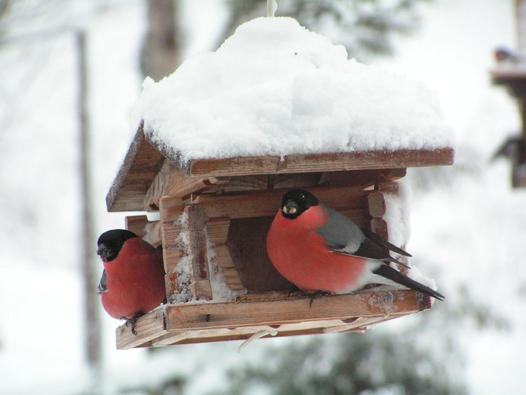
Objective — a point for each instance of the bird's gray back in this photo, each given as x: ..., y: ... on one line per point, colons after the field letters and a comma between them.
x: 340, y: 233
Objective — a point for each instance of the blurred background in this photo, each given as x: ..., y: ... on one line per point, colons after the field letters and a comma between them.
x: 70, y: 72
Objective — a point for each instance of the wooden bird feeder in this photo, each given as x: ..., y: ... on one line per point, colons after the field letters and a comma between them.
x: 514, y: 78
x: 512, y: 75
x: 214, y: 217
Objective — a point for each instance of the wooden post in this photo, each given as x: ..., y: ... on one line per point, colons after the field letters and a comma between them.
x: 173, y: 252
x: 200, y: 273
x: 520, y: 9
x: 89, y: 272
x: 271, y: 7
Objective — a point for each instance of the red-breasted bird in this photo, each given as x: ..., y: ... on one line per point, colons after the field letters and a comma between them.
x: 132, y: 282
x: 318, y: 249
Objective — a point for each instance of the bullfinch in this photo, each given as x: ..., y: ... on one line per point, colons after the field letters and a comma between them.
x: 507, y: 55
x: 132, y: 281
x: 318, y: 249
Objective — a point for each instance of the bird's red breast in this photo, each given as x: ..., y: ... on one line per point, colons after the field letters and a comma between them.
x: 301, y: 255
x: 135, y: 280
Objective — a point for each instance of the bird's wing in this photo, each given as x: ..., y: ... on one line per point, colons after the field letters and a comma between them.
x: 343, y: 236
x: 102, y: 283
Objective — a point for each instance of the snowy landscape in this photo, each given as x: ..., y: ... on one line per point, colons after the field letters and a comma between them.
x: 467, y: 225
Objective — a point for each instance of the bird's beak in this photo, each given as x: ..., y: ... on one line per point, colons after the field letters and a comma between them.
x: 103, y: 252
x: 290, y: 207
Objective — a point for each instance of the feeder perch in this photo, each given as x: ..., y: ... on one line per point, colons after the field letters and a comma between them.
x: 214, y: 217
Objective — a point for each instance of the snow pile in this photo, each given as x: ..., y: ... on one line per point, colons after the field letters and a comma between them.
x: 275, y: 88
x: 397, y: 215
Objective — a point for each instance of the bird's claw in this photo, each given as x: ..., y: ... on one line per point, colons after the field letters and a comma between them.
x: 315, y: 295
x: 133, y: 321
x: 294, y: 290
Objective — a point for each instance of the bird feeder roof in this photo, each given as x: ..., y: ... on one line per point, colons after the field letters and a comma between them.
x: 277, y: 98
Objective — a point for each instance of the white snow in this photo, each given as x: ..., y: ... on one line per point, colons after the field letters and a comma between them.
x: 275, y: 88
x: 397, y: 215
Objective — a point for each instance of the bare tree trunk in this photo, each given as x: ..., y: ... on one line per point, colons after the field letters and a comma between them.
x: 161, y: 52
x: 92, y: 322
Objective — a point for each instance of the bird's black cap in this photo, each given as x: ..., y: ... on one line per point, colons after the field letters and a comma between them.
x: 110, y: 243
x: 295, y: 202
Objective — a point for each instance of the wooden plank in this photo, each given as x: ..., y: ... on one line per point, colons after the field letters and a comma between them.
x: 214, y: 335
x: 243, y: 332
x: 293, y: 310
x: 171, y: 181
x: 148, y: 327
x: 321, y: 162
x: 155, y: 191
x: 240, y: 166
x: 217, y: 230
x: 225, y: 265
x: 238, y: 184
x: 198, y: 252
x: 376, y: 204
x: 379, y: 226
x: 170, y: 208
x: 519, y: 175
x: 263, y: 204
x: 141, y: 164
x: 136, y: 224
x: 170, y: 232
x: 359, y: 322
x: 514, y: 77
x: 153, y: 233
x: 210, y: 322
x: 362, y: 178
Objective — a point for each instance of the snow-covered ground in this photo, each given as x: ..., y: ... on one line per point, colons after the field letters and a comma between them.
x: 469, y: 230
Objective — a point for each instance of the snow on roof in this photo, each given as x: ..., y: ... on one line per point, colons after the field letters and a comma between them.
x: 275, y: 88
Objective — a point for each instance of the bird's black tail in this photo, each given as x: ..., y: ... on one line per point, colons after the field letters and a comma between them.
x: 394, y: 275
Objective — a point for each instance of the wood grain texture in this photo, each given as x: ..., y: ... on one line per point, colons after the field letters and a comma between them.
x: 140, y: 183
x: 271, y: 312
x: 136, y: 224
x: 267, y: 203
x: 148, y: 327
x: 170, y: 208
x: 376, y: 204
x: 226, y: 266
x: 153, y: 233
x: 198, y: 252
x: 171, y: 181
x: 141, y: 164
x: 217, y: 229
x: 292, y: 310
x: 321, y: 162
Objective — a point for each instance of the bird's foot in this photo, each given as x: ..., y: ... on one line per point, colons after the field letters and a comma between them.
x: 294, y: 290
x: 133, y: 321
x: 314, y: 295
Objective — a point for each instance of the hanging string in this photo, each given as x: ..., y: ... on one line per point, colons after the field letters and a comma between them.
x: 272, y: 6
